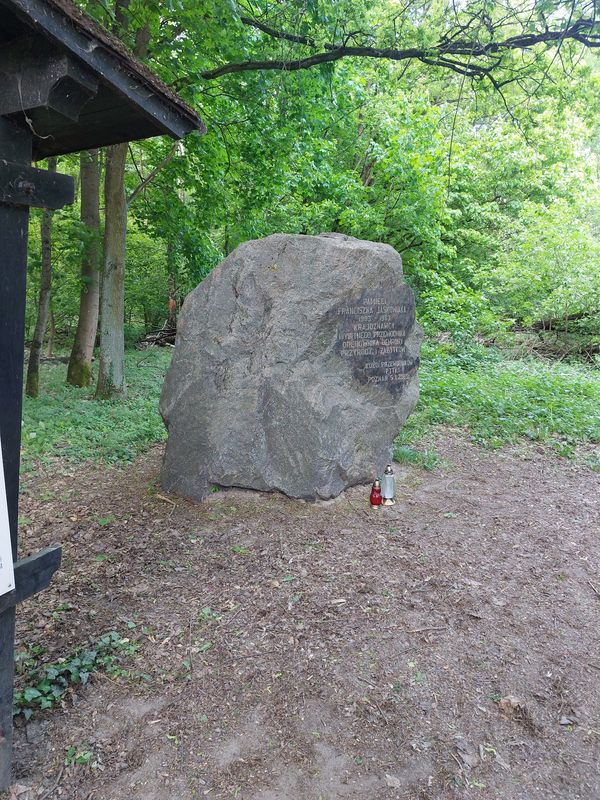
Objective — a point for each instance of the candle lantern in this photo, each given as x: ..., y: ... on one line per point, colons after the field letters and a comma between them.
x: 375, y: 497
x: 388, y: 486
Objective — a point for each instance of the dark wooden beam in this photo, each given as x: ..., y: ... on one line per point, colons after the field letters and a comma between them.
x: 36, y: 75
x: 7, y: 676
x: 119, y: 125
x: 15, y: 144
x: 21, y: 185
x: 32, y: 574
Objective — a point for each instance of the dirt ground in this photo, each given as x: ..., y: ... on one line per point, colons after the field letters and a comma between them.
x: 444, y: 648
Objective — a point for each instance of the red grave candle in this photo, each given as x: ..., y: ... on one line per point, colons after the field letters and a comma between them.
x: 375, y: 497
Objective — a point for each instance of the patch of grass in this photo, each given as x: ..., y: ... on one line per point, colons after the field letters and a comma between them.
x: 426, y: 459
x: 500, y: 401
x: 47, y: 683
x: 66, y: 421
x: 495, y: 399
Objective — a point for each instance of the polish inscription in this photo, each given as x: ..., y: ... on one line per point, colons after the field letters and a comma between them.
x: 372, y: 330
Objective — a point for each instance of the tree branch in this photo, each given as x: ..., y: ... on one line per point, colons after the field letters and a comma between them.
x: 151, y: 175
x: 480, y: 58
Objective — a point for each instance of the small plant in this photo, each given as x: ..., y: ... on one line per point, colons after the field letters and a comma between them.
x: 48, y: 683
x: 75, y: 756
x: 207, y: 615
x: 57, y: 613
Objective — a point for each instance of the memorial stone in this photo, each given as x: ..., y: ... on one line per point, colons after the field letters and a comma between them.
x: 294, y: 369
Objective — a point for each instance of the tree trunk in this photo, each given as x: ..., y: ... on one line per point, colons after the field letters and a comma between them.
x: 79, y: 372
x: 172, y: 283
x: 111, y: 380
x: 112, y: 303
x: 33, y: 368
x: 51, y: 332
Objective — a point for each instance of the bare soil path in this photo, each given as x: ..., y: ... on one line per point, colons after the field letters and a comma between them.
x: 296, y: 651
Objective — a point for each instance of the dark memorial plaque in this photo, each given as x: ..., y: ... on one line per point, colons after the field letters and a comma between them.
x: 372, y: 331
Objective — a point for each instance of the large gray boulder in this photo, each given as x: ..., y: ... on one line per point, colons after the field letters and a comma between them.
x: 295, y: 366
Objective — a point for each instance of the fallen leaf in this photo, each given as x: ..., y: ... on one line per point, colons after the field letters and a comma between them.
x: 19, y: 790
x: 504, y: 764
x: 468, y: 753
x: 393, y: 782
x: 511, y: 704
x: 470, y: 759
x: 564, y: 720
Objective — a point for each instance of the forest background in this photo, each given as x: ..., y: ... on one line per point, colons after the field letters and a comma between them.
x: 485, y: 178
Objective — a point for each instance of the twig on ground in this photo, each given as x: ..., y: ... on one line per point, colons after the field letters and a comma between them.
x: 230, y: 620
x: 165, y: 499
x: 358, y: 510
x: 597, y: 593
x: 424, y: 630
x: 379, y: 708
x: 456, y: 758
x: 54, y: 786
x: 364, y: 680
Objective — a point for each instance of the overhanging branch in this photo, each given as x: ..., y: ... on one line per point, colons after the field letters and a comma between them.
x: 467, y: 57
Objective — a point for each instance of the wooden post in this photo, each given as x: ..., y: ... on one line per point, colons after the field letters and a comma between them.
x: 15, y: 146
x: 21, y: 186
x: 54, y: 63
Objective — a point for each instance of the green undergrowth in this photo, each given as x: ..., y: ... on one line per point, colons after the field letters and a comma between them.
x: 45, y: 684
x: 68, y: 422
x: 426, y: 459
x: 500, y: 401
x: 494, y: 399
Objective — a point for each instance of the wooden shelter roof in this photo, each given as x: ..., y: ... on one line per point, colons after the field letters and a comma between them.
x: 115, y: 98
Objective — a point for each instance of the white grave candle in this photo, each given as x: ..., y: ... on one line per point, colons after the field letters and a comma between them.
x: 7, y: 575
x: 388, y: 486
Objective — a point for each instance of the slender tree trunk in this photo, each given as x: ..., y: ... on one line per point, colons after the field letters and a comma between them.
x: 79, y: 372
x: 111, y: 379
x: 33, y: 368
x: 172, y: 283
x: 112, y: 303
x: 51, y: 332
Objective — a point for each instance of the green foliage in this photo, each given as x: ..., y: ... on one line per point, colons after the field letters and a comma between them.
x: 495, y: 399
x: 69, y: 423
x: 426, y: 459
x: 492, y: 199
x: 75, y: 756
x: 48, y: 683
x: 498, y: 401
x: 549, y: 270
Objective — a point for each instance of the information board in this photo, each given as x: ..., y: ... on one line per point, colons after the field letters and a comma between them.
x: 7, y: 576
